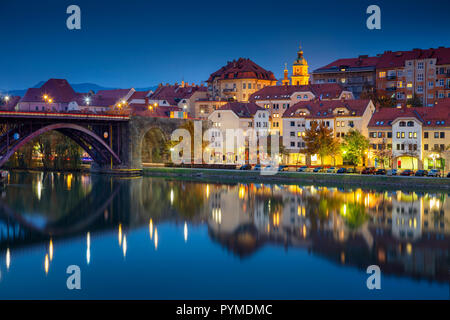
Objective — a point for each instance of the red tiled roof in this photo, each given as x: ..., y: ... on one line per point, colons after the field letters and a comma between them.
x: 362, y: 61
x: 173, y: 94
x: 391, y: 59
x: 161, y: 111
x: 395, y: 59
x: 57, y: 89
x: 242, y: 69
x: 283, y: 92
x: 105, y: 98
x: 116, y: 93
x: 242, y: 109
x: 438, y: 115
x: 325, y: 108
x: 139, y: 95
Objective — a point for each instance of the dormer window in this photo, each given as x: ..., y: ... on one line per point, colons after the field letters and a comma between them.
x: 402, y: 124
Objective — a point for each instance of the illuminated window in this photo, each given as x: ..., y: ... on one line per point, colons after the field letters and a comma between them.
x: 382, y: 74
x: 409, y: 85
x: 399, y: 84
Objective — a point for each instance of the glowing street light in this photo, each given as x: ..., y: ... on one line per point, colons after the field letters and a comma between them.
x: 6, y: 98
x: 87, y: 100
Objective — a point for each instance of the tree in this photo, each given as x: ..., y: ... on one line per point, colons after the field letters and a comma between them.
x: 436, y: 150
x: 354, y: 147
x: 334, y: 149
x: 378, y: 99
x: 318, y: 139
x: 415, y: 101
x: 384, y: 155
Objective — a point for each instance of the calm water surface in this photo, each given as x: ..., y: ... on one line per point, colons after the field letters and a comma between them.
x: 165, y: 239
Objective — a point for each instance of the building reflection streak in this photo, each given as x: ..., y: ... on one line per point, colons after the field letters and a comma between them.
x: 88, y: 247
x: 124, y: 246
x: 156, y: 238
x: 185, y: 232
x: 120, y: 234
x: 150, y: 228
x: 8, y: 259
x: 46, y: 264
x: 50, y: 249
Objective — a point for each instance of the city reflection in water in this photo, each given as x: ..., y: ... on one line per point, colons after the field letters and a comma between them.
x: 405, y: 233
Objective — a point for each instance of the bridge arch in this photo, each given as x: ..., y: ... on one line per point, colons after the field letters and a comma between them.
x: 94, y: 145
x: 140, y: 126
x: 153, y: 144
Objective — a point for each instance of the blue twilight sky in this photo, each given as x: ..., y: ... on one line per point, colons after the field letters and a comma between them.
x: 138, y: 43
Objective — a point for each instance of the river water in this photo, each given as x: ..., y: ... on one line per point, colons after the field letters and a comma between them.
x: 153, y: 238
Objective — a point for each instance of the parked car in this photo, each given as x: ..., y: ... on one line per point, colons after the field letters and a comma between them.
x: 257, y: 167
x: 434, y: 173
x: 332, y: 170
x: 283, y: 168
x: 370, y: 170
x: 407, y: 172
x: 245, y: 167
x: 421, y: 173
x: 341, y: 170
x: 302, y: 169
x: 392, y: 172
x: 352, y: 170
x: 318, y: 169
x: 448, y: 175
x: 381, y: 172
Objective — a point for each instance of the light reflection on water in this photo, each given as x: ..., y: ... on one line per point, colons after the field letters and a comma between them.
x: 281, y: 241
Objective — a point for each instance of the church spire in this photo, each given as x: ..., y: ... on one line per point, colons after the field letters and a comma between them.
x: 285, y: 80
x: 300, y: 74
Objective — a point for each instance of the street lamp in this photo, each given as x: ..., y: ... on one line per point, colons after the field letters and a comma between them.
x: 6, y: 98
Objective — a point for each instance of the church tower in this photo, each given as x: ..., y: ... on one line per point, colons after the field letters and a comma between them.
x: 300, y: 74
x: 285, y: 80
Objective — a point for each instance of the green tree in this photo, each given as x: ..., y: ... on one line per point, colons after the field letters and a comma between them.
x: 378, y: 99
x: 334, y: 149
x: 354, y: 147
x: 318, y: 140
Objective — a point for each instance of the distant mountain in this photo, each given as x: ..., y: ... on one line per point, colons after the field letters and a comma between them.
x: 79, y: 87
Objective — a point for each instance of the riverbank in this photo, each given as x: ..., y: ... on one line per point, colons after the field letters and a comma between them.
x: 344, y: 180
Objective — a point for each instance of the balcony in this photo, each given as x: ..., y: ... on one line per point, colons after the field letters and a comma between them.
x: 229, y: 91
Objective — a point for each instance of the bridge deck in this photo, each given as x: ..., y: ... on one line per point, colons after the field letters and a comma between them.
x: 63, y: 116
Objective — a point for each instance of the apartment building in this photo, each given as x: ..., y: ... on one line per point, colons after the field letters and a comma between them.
x: 339, y: 115
x: 277, y: 99
x: 424, y: 73
x: 414, y: 138
x: 238, y: 80
x: 236, y: 116
x: 356, y: 75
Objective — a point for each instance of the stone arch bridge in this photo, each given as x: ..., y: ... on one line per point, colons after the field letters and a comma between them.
x: 114, y: 142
